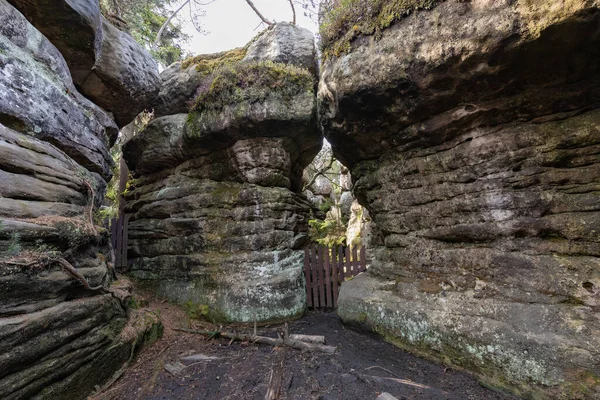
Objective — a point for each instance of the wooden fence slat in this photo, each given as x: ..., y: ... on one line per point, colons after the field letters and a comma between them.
x: 321, y: 272
x: 326, y: 269
x: 307, y: 276
x: 363, y: 259
x: 328, y: 287
x: 347, y: 264
x: 334, y: 274
x: 313, y: 272
x: 341, y: 263
x: 355, y: 265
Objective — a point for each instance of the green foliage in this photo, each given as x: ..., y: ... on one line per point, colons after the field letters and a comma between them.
x: 143, y: 19
x: 328, y: 232
x: 14, y: 245
x: 326, y: 205
x: 349, y: 19
x: 253, y: 82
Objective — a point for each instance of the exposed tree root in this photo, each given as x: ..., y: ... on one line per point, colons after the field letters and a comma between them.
x: 67, y: 266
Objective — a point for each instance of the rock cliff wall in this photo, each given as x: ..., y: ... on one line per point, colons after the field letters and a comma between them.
x: 217, y: 222
x: 57, y: 338
x: 472, y: 132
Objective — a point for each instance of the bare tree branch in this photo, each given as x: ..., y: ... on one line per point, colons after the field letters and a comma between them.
x: 166, y: 23
x: 262, y: 17
x: 320, y: 172
x: 293, y: 11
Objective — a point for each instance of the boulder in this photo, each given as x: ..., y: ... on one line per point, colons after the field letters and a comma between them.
x: 181, y: 80
x: 471, y: 131
x: 107, y: 65
x: 38, y: 97
x: 74, y: 27
x: 217, y: 220
x: 281, y: 43
x: 285, y: 43
x: 346, y: 203
x: 124, y: 74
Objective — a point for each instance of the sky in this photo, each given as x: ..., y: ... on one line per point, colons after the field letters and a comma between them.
x: 232, y: 23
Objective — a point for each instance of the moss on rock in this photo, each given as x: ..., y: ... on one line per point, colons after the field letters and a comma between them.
x: 253, y: 82
x: 352, y: 18
x: 208, y: 63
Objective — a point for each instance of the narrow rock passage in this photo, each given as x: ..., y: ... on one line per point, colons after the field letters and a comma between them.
x: 363, y: 367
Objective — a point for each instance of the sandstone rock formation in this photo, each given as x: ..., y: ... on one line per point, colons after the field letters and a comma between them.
x: 285, y: 43
x: 472, y: 133
x: 58, y: 338
x: 107, y: 65
x: 217, y: 222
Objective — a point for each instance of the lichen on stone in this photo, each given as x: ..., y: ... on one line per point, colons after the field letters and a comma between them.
x: 352, y: 18
x: 253, y: 82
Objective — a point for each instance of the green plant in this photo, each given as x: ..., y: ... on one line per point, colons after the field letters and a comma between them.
x: 208, y: 63
x: 349, y: 19
x: 14, y: 244
x: 328, y: 232
x: 326, y: 205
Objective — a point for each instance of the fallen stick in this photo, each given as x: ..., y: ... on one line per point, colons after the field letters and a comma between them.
x: 308, y: 338
x: 285, y: 341
x: 274, y: 387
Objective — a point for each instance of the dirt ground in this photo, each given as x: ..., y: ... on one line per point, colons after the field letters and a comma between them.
x: 362, y: 367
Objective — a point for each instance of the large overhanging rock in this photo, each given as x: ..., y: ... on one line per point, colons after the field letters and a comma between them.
x: 37, y: 96
x: 217, y: 222
x: 107, y: 65
x: 124, y: 79
x: 73, y: 26
x: 472, y: 133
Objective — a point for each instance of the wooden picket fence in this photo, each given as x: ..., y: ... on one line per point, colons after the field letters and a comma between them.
x: 325, y: 268
x: 118, y: 237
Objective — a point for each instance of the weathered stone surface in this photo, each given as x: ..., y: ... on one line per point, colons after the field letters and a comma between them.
x: 220, y: 230
x: 63, y: 343
x: 38, y: 96
x: 107, y: 65
x: 57, y: 339
x: 124, y: 79
x: 73, y: 26
x: 172, y: 139
x: 181, y: 81
x: 217, y: 222
x: 472, y: 134
x: 285, y: 43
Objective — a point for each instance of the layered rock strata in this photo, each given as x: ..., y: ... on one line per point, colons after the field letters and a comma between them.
x: 472, y: 133
x: 217, y: 222
x: 58, y: 338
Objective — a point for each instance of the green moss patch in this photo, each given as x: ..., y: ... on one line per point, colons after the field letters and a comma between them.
x: 208, y: 63
x: 253, y: 82
x: 352, y: 18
